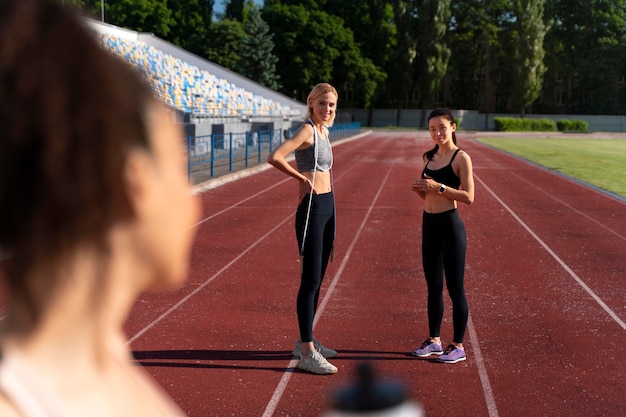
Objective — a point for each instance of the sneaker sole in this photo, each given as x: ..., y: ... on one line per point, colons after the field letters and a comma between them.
x: 322, y: 372
x: 452, y: 361
x: 428, y: 354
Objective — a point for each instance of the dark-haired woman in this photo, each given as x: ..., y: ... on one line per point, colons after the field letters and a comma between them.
x: 446, y: 179
x: 89, y: 166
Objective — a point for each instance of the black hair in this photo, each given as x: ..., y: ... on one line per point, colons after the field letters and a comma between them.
x: 447, y: 114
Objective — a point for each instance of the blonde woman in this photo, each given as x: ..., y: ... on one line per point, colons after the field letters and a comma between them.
x: 315, y: 217
x: 89, y: 166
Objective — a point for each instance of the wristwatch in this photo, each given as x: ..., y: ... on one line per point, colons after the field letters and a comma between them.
x: 442, y: 188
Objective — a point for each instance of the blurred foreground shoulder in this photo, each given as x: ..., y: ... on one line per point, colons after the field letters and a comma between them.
x: 7, y: 409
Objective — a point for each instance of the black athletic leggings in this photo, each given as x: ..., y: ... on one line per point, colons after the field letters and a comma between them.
x: 443, y: 250
x: 318, y: 245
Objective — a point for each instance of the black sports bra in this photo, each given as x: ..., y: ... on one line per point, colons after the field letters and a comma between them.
x: 444, y: 175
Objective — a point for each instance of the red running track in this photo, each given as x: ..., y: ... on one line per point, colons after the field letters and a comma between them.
x: 546, y: 284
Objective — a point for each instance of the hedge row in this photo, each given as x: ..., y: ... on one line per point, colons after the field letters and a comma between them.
x: 567, y: 125
x: 512, y: 124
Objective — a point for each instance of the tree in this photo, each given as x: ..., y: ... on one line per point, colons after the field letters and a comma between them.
x: 373, y: 26
x: 587, y: 47
x: 141, y: 15
x: 190, y: 28
x: 527, y: 63
x: 206, y: 9
x: 356, y: 77
x: 257, y: 59
x: 235, y: 10
x: 400, y: 82
x: 314, y: 47
x: 433, y: 53
x: 91, y: 8
x: 473, y: 38
x: 224, y: 43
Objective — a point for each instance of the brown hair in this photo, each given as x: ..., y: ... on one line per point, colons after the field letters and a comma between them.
x: 69, y: 114
x: 318, y: 90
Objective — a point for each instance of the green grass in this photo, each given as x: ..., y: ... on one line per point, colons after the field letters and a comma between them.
x: 600, y: 162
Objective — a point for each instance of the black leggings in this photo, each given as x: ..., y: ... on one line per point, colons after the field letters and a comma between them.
x: 318, y: 246
x: 443, y: 249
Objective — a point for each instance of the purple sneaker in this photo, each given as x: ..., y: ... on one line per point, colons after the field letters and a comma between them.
x: 452, y: 354
x: 429, y: 347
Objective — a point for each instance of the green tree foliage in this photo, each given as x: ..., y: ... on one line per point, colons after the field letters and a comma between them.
x: 473, y: 38
x: 224, y: 43
x: 190, y: 27
x: 258, y: 61
x: 433, y: 53
x: 525, y: 60
x: 480, y: 54
x: 401, y: 82
x: 373, y: 26
x: 141, y: 15
x: 314, y: 47
x: 235, y: 10
x: 587, y: 48
x: 90, y: 8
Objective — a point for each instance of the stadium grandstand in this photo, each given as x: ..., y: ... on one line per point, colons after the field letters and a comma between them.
x: 229, y: 121
x: 192, y: 85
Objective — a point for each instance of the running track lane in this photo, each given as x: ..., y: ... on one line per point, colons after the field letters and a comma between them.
x: 545, y: 283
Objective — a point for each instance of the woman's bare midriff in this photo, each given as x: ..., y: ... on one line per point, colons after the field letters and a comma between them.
x: 437, y: 203
x: 322, y: 183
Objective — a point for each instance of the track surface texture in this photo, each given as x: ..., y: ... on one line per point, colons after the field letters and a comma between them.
x: 545, y: 281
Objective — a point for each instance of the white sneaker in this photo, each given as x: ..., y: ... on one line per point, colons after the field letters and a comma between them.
x: 328, y: 353
x: 315, y: 363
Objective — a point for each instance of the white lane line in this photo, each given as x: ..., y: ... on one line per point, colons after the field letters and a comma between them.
x: 482, y: 370
x: 205, y: 283
x: 542, y: 190
x: 282, y: 385
x: 580, y: 282
x: 239, y: 203
x: 225, y: 267
x: 601, y: 225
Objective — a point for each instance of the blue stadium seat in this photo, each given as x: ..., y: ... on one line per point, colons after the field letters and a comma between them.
x: 188, y: 87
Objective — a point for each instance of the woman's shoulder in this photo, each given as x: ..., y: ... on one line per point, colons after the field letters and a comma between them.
x: 7, y: 409
x: 307, y: 126
x: 463, y: 156
x: 304, y: 134
x: 462, y: 162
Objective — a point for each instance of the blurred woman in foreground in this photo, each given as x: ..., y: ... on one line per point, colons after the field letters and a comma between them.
x: 89, y: 166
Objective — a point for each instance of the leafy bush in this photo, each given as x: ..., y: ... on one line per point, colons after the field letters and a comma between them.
x: 567, y: 125
x: 544, y: 125
x: 513, y: 124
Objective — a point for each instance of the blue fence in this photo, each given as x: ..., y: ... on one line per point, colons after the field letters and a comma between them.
x: 217, y: 154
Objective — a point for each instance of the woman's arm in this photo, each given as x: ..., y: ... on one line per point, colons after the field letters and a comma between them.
x: 417, y: 187
x: 304, y: 136
x: 465, y: 194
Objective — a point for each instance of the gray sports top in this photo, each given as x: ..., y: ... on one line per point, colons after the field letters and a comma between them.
x: 305, y: 158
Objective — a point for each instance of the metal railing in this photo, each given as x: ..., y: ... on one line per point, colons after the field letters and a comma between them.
x: 217, y: 154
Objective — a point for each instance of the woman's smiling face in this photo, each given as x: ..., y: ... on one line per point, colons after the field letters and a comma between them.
x: 324, y: 107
